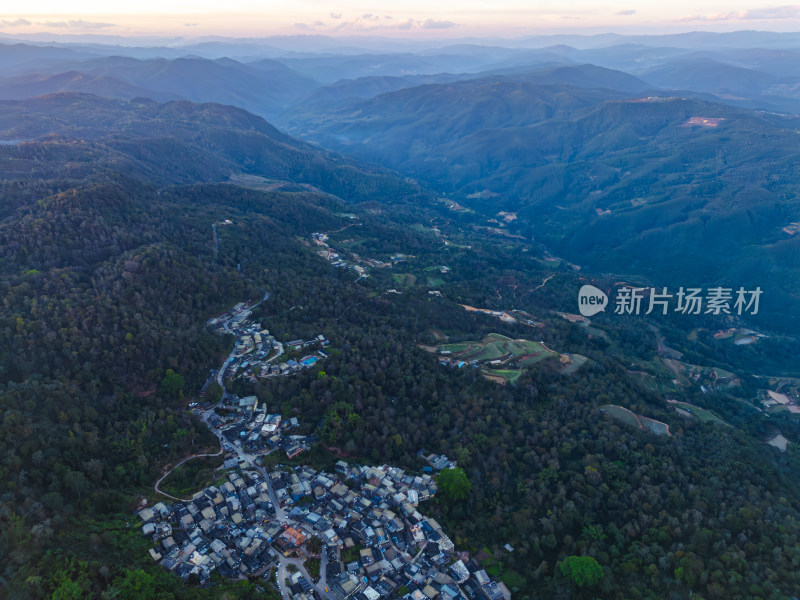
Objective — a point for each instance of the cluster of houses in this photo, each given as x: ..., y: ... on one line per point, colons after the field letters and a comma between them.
x: 357, y: 264
x: 257, y: 353
x: 436, y: 461
x: 257, y: 431
x: 227, y: 529
x: 377, y: 543
x: 457, y: 363
x: 787, y: 401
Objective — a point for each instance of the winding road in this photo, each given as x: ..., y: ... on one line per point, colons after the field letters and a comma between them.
x: 178, y: 464
x: 280, y: 514
x: 205, y: 416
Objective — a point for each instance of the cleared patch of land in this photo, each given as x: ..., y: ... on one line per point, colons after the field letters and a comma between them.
x: 439, y: 336
x: 572, y: 363
x: 405, y: 279
x: 501, y: 358
x: 501, y: 376
x: 690, y: 410
x: 629, y: 417
x: 192, y: 476
x: 498, y: 347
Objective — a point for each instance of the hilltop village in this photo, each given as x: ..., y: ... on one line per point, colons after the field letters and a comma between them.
x: 354, y: 533
x: 257, y: 354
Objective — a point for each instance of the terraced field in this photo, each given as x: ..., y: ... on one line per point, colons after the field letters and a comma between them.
x: 630, y: 418
x: 501, y: 376
x: 498, y: 347
x: 699, y: 413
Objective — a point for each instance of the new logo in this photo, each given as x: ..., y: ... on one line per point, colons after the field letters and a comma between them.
x: 591, y: 300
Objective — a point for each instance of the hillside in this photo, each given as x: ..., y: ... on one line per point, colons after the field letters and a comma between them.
x: 182, y: 142
x: 121, y: 236
x: 626, y: 186
x: 28, y: 86
x: 264, y: 88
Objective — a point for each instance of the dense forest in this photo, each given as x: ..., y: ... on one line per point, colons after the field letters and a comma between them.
x: 108, y: 279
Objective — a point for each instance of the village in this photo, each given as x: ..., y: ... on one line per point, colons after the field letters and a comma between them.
x: 355, y: 533
x: 356, y: 263
x: 257, y: 354
x: 352, y: 534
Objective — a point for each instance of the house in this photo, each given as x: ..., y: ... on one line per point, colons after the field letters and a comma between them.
x: 294, y: 449
x: 366, y: 557
x: 371, y: 594
x: 248, y: 403
x: 430, y: 592
x: 459, y: 571
x: 147, y: 515
x: 492, y: 591
x: 481, y: 577
x: 347, y: 585
x: 295, y: 537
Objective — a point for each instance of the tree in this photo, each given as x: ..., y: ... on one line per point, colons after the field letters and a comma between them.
x: 314, y: 545
x: 453, y: 484
x: 583, y: 570
x: 135, y: 585
x: 214, y: 392
x: 172, y: 384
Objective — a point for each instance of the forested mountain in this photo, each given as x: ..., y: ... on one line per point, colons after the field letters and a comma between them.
x: 109, y: 274
x: 28, y: 86
x: 264, y: 88
x: 181, y: 142
x: 663, y: 187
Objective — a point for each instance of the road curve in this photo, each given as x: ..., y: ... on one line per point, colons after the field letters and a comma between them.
x: 178, y: 464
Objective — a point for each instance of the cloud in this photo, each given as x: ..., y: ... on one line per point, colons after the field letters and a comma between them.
x: 309, y: 26
x: 336, y: 15
x: 76, y: 24
x: 626, y: 13
x: 431, y: 24
x: 16, y: 23
x: 774, y: 13
x: 368, y: 22
x: 191, y: 24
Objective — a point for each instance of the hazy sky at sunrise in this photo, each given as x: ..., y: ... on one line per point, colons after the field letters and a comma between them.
x: 384, y: 17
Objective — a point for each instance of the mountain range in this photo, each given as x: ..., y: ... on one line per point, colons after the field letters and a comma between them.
x: 391, y: 213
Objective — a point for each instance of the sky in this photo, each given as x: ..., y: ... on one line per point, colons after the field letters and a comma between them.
x: 410, y: 18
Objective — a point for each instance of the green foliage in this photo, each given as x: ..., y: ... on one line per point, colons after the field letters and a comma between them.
x: 172, y: 385
x: 84, y: 431
x: 567, y: 168
x: 341, y: 422
x: 594, y: 532
x: 214, y: 392
x: 583, y: 570
x: 453, y: 484
x: 312, y: 566
x: 135, y: 585
x: 314, y: 545
x: 192, y: 476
